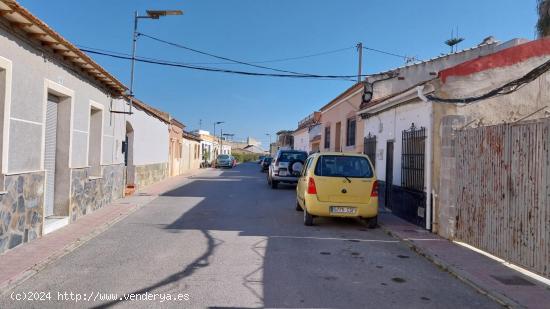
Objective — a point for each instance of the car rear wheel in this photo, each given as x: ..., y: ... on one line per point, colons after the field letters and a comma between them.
x: 298, y: 207
x: 371, y: 223
x: 308, y: 218
x: 274, y: 184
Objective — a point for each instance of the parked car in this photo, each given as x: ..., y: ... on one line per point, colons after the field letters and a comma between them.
x: 224, y: 160
x: 260, y: 159
x: 264, y: 166
x: 285, y: 167
x: 338, y: 185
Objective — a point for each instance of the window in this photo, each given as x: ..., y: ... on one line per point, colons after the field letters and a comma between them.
x: 350, y: 131
x: 327, y: 137
x: 340, y: 166
x: 95, y: 139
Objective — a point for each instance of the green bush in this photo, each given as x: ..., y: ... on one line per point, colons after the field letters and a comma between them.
x: 245, y: 157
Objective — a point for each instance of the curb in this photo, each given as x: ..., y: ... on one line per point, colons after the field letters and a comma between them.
x: 454, y: 271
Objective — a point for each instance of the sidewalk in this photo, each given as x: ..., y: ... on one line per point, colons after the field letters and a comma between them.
x: 24, y: 261
x: 487, y: 276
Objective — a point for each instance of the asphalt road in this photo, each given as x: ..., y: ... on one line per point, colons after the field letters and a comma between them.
x: 224, y: 239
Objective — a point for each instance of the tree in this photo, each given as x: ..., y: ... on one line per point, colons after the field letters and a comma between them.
x: 543, y: 24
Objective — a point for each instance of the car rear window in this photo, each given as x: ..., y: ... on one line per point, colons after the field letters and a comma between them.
x: 291, y: 156
x: 340, y: 166
x: 223, y: 157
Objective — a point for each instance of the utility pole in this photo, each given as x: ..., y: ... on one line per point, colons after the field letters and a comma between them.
x: 360, y: 50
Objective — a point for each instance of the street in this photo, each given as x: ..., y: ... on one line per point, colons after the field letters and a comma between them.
x: 225, y: 239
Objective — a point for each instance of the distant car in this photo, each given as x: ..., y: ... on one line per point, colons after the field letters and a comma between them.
x: 260, y: 159
x: 224, y: 161
x: 265, y: 164
x: 338, y: 185
x: 286, y: 167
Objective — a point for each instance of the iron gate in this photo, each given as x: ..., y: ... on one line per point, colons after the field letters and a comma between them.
x: 369, y: 148
x: 412, y: 158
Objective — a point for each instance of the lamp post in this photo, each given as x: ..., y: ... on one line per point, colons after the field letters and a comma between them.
x: 151, y: 14
x: 215, y: 123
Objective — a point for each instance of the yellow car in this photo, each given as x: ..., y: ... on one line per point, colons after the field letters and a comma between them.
x: 334, y: 184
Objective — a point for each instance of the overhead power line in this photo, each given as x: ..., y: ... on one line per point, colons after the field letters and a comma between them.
x: 211, y: 69
x: 219, y: 57
x: 222, y: 63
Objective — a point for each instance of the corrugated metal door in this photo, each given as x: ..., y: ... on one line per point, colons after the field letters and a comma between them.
x: 50, y: 153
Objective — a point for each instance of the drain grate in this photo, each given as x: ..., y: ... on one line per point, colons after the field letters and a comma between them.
x: 512, y: 280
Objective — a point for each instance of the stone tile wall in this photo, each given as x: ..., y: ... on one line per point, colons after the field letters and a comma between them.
x: 21, y: 209
x: 89, y: 194
x: 150, y: 174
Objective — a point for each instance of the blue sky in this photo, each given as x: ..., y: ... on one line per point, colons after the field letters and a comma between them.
x: 254, y: 30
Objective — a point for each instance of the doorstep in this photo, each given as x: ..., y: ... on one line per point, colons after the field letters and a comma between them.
x: 53, y: 223
x: 488, y: 276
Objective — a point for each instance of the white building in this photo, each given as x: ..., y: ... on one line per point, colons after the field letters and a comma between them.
x: 62, y: 131
x: 398, y: 118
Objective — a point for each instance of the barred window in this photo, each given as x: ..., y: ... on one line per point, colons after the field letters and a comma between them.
x: 350, y: 131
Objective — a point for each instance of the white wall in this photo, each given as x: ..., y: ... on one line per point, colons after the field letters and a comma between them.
x: 389, y: 125
x: 301, y: 140
x: 151, y: 138
x: 32, y: 72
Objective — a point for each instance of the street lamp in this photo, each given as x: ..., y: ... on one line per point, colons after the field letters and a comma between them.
x: 215, y: 123
x: 269, y: 134
x: 151, y: 14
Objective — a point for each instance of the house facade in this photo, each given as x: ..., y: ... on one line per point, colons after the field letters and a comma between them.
x: 147, y: 132
x: 302, y: 135
x: 400, y: 130
x: 340, y: 124
x: 70, y: 139
x: 61, y: 146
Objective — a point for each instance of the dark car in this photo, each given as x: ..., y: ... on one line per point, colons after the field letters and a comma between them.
x: 286, y: 167
x: 265, y: 164
x: 260, y: 159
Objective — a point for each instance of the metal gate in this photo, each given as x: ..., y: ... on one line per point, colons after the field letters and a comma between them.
x: 50, y: 154
x: 369, y: 148
x: 412, y: 158
x: 503, y: 192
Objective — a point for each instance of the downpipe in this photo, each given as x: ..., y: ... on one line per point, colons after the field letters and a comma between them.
x: 428, y: 167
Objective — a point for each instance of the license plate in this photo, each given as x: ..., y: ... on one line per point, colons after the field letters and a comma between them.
x: 342, y: 210
x: 282, y: 173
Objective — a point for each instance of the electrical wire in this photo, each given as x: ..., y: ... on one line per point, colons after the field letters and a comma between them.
x: 223, y: 63
x: 210, y: 69
x: 219, y: 57
x: 507, y: 88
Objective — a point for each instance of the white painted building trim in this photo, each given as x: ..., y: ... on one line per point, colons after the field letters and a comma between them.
x: 64, y: 92
x: 7, y: 66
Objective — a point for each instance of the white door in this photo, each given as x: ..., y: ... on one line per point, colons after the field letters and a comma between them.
x: 50, y: 154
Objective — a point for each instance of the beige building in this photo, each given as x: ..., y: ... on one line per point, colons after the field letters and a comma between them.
x: 340, y: 126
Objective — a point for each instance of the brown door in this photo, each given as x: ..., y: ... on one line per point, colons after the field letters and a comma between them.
x: 337, y: 146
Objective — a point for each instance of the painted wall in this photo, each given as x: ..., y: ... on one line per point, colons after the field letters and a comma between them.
x: 301, y: 139
x: 340, y: 112
x: 32, y: 72
x: 151, y: 138
x: 389, y: 125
